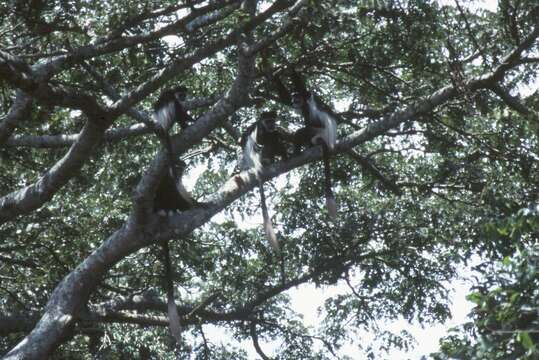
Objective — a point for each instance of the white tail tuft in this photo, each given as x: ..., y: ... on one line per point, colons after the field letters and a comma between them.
x: 174, y: 321
x: 270, y: 234
x: 331, y: 204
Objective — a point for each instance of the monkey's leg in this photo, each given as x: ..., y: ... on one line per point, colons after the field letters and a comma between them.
x: 331, y: 204
x: 173, y: 316
x: 268, y: 227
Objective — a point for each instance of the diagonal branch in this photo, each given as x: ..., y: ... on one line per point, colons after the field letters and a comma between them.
x: 288, y: 23
x: 511, y: 101
x: 374, y: 171
x: 35, y: 195
x: 20, y: 109
x: 69, y: 297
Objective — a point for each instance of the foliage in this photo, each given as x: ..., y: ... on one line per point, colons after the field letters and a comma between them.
x: 418, y: 199
x: 505, y: 320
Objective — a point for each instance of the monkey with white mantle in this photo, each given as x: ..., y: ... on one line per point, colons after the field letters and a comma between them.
x: 171, y: 196
x: 320, y: 129
x: 261, y: 143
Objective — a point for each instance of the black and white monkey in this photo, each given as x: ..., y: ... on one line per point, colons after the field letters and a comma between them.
x: 168, y: 108
x: 320, y: 129
x: 170, y: 195
x: 261, y: 143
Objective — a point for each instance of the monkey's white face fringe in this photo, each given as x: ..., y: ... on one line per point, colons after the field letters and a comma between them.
x: 328, y: 130
x: 165, y: 115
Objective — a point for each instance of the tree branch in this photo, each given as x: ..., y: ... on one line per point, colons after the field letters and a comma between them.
x: 21, y: 108
x: 374, y: 171
x: 72, y: 293
x: 254, y: 337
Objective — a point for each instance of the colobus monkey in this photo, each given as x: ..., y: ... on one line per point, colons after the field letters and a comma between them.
x: 320, y: 129
x: 169, y: 109
x: 170, y: 195
x: 261, y: 143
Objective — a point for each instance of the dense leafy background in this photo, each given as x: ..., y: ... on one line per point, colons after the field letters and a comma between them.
x: 416, y: 204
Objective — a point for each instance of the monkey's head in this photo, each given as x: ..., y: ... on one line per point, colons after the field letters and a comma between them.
x: 180, y: 93
x: 268, y: 120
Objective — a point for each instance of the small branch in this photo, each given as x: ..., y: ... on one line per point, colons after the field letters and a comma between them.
x: 254, y: 337
x: 60, y: 141
x: 26, y: 263
x: 288, y: 23
x: 373, y: 170
x: 511, y: 101
x: 21, y: 108
x: 202, y: 305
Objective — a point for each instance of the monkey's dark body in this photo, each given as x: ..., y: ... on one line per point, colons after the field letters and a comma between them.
x: 269, y: 144
x: 168, y: 197
x: 170, y: 194
x: 168, y: 108
x: 262, y: 143
x: 303, y: 138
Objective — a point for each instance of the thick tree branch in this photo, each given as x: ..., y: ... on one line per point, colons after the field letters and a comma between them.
x: 34, y: 196
x: 20, y: 75
x: 72, y: 293
x: 511, y: 101
x: 20, y: 109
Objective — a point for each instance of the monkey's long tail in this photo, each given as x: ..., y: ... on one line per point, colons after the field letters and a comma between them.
x: 331, y: 204
x: 173, y: 316
x: 268, y: 227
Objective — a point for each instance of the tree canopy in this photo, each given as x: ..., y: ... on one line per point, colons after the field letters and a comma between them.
x: 435, y: 169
